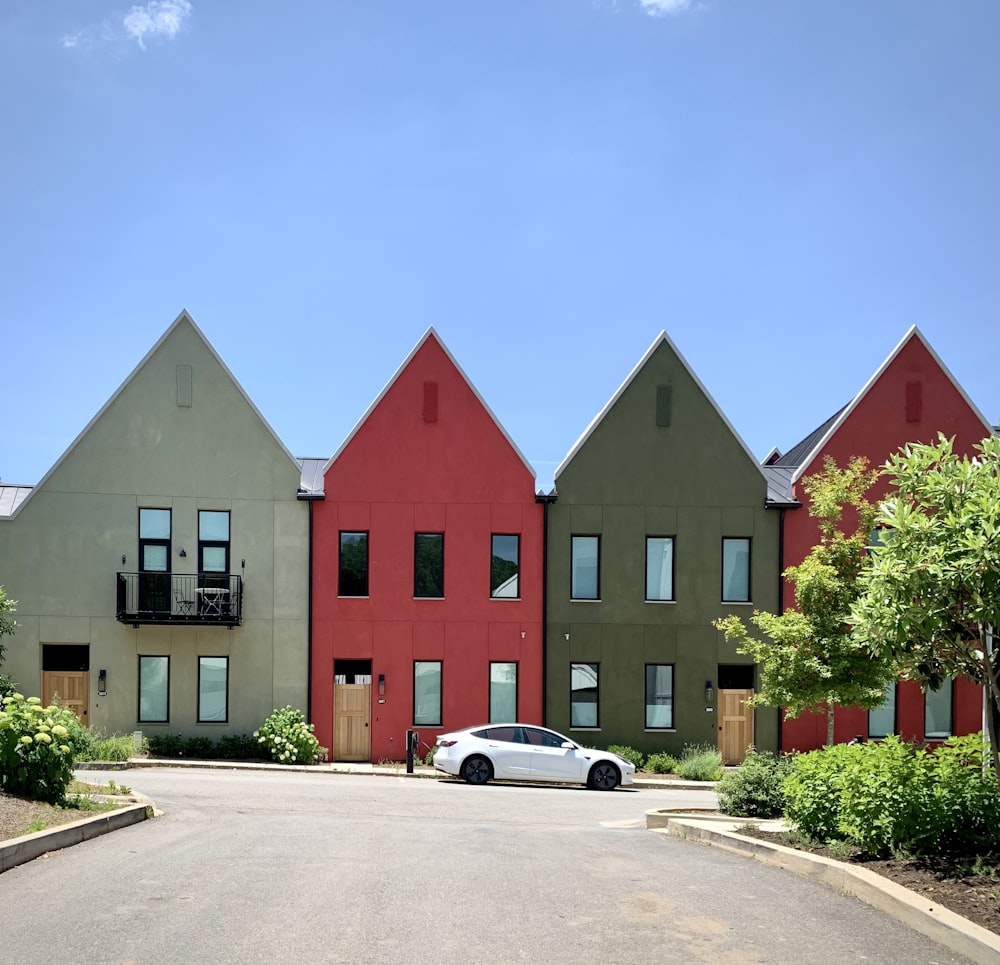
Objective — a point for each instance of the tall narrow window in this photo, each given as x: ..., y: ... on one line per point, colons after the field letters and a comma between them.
x: 735, y: 571
x: 659, y: 695
x: 154, y: 690
x: 937, y: 712
x: 428, y: 564
x: 154, y: 560
x: 213, y: 689
x: 882, y: 720
x: 583, y: 694
x: 353, y: 565
x: 659, y: 567
x: 213, y: 547
x: 585, y: 557
x: 504, y: 552
x: 503, y: 692
x: 427, y: 692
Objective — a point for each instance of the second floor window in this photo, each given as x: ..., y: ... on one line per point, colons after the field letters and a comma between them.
x: 213, y: 547
x: 504, y: 551
x: 154, y: 559
x: 736, y: 570
x: 659, y: 568
x: 585, y: 581
x: 428, y: 565
x: 353, y: 580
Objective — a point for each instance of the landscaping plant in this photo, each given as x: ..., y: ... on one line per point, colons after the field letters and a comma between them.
x: 630, y: 754
x: 661, y: 763
x: 700, y: 762
x: 754, y: 789
x: 288, y: 738
x: 36, y: 748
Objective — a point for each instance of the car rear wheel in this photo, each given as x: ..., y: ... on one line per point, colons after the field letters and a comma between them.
x: 604, y: 777
x: 477, y: 770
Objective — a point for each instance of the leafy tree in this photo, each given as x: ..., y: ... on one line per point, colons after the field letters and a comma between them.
x: 810, y: 657
x: 931, y: 598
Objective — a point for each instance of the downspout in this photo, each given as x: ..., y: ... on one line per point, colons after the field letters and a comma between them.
x: 545, y: 500
x: 781, y: 605
x: 309, y: 631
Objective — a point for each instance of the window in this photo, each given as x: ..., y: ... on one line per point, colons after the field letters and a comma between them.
x: 937, y: 712
x: 213, y: 547
x: 659, y: 695
x: 154, y: 559
x: 585, y: 581
x: 213, y: 689
x: 882, y: 720
x: 503, y: 691
x: 504, y: 552
x: 154, y: 690
x: 428, y: 564
x: 736, y: 571
x: 659, y: 568
x: 427, y: 692
x: 541, y: 738
x: 583, y: 695
x: 353, y: 579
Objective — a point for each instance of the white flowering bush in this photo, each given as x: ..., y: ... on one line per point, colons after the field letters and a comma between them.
x: 288, y: 738
x: 36, y: 748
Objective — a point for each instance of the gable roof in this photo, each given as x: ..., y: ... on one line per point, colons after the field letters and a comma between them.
x: 660, y: 339
x: 823, y: 434
x: 182, y: 318
x: 431, y: 333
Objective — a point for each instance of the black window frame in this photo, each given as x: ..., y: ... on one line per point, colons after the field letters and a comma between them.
x: 597, y: 566
x: 749, y: 597
x: 417, y: 594
x: 596, y: 664
x: 494, y: 584
x: 341, y: 589
x: 673, y: 570
x: 138, y: 708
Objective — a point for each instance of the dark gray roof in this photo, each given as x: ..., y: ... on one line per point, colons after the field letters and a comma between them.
x: 801, y: 450
x: 11, y: 497
x: 779, y: 486
x: 311, y: 484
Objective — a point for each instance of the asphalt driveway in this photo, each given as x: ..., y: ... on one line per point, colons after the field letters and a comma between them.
x: 248, y: 867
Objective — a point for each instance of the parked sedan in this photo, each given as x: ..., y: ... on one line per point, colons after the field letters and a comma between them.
x: 523, y: 752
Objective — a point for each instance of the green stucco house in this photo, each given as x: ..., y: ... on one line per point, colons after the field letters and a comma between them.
x: 659, y: 524
x: 161, y: 567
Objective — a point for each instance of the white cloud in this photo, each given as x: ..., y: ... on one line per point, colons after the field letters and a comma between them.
x: 663, y: 8
x: 159, y: 18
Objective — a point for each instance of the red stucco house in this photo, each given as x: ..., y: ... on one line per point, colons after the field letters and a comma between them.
x: 427, y: 570
x: 911, y: 398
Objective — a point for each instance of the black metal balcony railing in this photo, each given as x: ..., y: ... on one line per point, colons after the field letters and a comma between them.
x: 202, y: 599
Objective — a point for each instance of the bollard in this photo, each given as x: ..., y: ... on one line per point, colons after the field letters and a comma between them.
x: 412, y: 748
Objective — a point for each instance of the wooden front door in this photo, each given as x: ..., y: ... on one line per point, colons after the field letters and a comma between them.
x: 735, y: 725
x: 351, y: 719
x: 67, y: 688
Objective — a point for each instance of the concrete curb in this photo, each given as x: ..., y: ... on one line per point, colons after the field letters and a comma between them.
x: 935, y: 921
x: 30, y: 846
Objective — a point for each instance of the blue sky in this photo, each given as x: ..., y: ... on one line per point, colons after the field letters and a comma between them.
x: 784, y: 186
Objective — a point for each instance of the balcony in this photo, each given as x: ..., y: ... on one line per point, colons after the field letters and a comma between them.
x: 194, y: 599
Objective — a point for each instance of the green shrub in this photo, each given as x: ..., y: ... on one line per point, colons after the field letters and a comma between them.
x: 237, y: 747
x: 97, y: 746
x: 37, y: 745
x: 886, y: 798
x: 288, y: 738
x: 429, y: 759
x: 166, y: 745
x: 965, y: 793
x: 700, y: 762
x: 7, y: 686
x: 661, y: 763
x: 629, y: 753
x: 812, y: 790
x: 754, y: 789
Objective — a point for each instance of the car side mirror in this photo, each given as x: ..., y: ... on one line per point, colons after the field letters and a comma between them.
x: 569, y: 745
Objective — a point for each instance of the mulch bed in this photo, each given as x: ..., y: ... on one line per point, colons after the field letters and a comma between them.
x: 968, y: 885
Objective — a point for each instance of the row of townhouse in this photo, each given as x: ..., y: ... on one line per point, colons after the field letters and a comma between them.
x: 179, y: 570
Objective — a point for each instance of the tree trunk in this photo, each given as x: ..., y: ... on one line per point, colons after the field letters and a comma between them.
x: 992, y: 707
x: 830, y: 707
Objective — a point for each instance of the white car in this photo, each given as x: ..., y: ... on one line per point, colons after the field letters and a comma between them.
x: 524, y: 752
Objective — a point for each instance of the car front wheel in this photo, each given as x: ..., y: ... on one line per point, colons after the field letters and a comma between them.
x: 603, y: 777
x: 477, y: 770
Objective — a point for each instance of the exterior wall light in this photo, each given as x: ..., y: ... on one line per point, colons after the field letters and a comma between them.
x: 709, y: 692
x: 381, y: 685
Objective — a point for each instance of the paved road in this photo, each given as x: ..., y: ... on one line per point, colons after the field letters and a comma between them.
x: 259, y: 867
